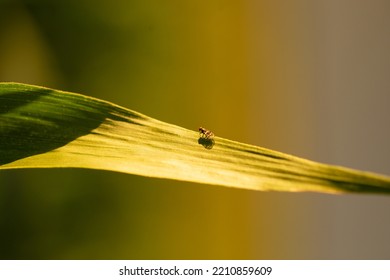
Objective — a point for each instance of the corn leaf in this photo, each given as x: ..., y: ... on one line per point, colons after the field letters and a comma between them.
x: 46, y: 128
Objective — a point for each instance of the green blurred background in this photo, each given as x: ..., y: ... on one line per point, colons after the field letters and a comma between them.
x: 310, y: 78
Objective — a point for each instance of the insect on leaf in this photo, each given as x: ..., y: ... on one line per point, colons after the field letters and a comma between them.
x: 46, y: 128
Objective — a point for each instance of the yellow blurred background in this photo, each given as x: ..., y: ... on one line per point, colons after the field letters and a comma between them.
x: 310, y: 78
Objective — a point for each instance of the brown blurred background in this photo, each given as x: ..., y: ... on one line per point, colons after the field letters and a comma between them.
x: 310, y: 78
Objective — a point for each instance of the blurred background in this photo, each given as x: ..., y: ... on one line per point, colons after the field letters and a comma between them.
x: 309, y: 78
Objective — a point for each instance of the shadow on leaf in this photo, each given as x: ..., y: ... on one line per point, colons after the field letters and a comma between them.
x: 36, y: 120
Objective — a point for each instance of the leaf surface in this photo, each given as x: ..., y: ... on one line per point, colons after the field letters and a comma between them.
x: 46, y: 128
